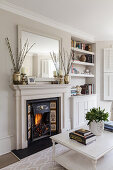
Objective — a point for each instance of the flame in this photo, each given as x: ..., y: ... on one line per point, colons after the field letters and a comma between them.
x: 38, y: 118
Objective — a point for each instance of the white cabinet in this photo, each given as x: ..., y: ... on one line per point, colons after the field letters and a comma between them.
x: 80, y: 105
x: 108, y: 74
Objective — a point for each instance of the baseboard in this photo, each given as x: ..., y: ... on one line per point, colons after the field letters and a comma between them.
x: 7, y: 144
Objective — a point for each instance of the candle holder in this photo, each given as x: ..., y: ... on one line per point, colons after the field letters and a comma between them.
x: 61, y: 79
x: 23, y: 79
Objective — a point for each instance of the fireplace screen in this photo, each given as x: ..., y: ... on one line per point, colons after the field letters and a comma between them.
x: 42, y: 119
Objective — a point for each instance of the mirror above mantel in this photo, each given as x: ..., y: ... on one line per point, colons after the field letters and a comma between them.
x: 38, y: 62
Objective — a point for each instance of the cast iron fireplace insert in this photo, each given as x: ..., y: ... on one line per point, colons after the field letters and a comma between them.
x: 42, y: 118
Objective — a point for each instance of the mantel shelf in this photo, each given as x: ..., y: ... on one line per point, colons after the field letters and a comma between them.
x: 82, y: 51
x: 39, y: 86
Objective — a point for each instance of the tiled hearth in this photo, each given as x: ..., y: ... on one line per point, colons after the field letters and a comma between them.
x: 24, y: 93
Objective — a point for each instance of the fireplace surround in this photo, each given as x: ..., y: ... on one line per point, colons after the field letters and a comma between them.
x: 24, y: 93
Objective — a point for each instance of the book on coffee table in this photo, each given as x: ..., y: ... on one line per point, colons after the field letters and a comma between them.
x: 86, y: 137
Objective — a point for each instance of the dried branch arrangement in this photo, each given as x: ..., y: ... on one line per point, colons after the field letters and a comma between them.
x: 19, y: 59
x: 66, y: 60
x: 55, y: 61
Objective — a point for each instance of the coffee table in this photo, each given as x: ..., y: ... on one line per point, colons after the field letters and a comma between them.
x: 95, y: 156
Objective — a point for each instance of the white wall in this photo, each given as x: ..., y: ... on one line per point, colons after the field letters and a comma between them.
x: 8, y: 28
x: 99, y: 76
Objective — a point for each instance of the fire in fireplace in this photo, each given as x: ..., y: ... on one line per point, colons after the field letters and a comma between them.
x: 42, y: 118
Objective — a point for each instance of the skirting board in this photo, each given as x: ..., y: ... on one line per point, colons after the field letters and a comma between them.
x: 7, y: 144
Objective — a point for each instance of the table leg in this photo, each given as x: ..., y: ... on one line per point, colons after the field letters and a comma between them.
x: 53, y: 153
x: 94, y: 164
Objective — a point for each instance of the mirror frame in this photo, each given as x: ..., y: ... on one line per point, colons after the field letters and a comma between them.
x: 41, y: 33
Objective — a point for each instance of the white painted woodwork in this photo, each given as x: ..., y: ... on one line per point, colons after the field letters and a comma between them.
x: 82, y: 51
x: 80, y: 105
x: 108, y: 86
x: 81, y: 75
x: 39, y: 91
x: 95, y: 156
x: 108, y: 60
x: 83, y: 63
x: 108, y: 74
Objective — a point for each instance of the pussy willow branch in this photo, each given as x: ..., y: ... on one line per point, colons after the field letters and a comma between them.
x: 53, y: 56
x: 10, y: 52
x: 17, y: 63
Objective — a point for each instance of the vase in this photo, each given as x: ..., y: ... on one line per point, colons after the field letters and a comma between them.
x: 97, y: 128
x: 66, y: 79
x: 16, y: 78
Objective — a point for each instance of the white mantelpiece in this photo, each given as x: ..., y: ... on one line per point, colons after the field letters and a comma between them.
x: 39, y: 91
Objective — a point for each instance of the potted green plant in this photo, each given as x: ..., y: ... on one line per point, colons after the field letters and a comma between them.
x: 96, y: 118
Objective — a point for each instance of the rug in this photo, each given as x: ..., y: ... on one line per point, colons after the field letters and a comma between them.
x: 7, y: 159
x: 39, y: 161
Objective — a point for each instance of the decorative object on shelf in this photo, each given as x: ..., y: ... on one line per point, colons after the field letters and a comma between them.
x: 56, y: 63
x: 61, y: 79
x: 23, y: 76
x: 66, y: 79
x: 66, y: 60
x: 18, y: 60
x: 31, y: 80
x: 66, y: 66
x: 24, y: 79
x: 96, y: 118
x: 82, y: 58
x: 78, y: 90
x: 87, y: 71
x: 16, y: 77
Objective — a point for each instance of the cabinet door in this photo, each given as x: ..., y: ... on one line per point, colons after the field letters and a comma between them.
x: 108, y: 86
x: 108, y: 60
x: 81, y: 113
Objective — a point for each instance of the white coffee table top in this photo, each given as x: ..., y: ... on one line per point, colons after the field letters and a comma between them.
x: 95, y: 150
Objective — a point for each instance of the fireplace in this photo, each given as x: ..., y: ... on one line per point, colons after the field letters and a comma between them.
x: 42, y: 118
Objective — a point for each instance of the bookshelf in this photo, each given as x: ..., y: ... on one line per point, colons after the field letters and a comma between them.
x: 82, y: 75
x: 81, y: 51
x: 83, y: 63
x: 83, y: 71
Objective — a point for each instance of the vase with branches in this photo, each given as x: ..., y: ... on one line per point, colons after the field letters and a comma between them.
x: 18, y: 60
x: 66, y: 60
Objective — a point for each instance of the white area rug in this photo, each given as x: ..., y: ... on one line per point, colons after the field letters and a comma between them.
x: 39, y: 161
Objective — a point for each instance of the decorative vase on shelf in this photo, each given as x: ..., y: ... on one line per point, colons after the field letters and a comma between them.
x: 66, y: 79
x: 16, y: 78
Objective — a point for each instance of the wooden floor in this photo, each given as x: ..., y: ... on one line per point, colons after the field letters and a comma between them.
x: 7, y: 159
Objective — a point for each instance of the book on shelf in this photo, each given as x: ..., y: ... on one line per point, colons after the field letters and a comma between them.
x: 85, y: 139
x: 87, y: 89
x: 83, y: 46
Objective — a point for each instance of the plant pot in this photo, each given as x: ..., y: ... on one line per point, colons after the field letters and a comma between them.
x: 16, y: 78
x: 66, y: 79
x: 97, y: 128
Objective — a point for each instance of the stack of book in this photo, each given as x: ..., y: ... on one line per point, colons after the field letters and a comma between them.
x: 83, y: 136
x: 108, y: 126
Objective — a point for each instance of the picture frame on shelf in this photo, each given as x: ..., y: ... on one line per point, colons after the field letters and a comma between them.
x: 31, y: 80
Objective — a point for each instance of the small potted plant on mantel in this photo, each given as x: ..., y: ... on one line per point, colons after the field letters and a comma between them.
x: 96, y: 118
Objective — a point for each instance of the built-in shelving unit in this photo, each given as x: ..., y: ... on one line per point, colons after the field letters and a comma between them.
x: 83, y: 63
x: 82, y: 51
x: 83, y: 70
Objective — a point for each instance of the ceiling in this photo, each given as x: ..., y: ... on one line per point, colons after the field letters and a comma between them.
x: 94, y: 17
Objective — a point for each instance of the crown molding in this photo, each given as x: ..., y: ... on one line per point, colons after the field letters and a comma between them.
x: 45, y: 20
